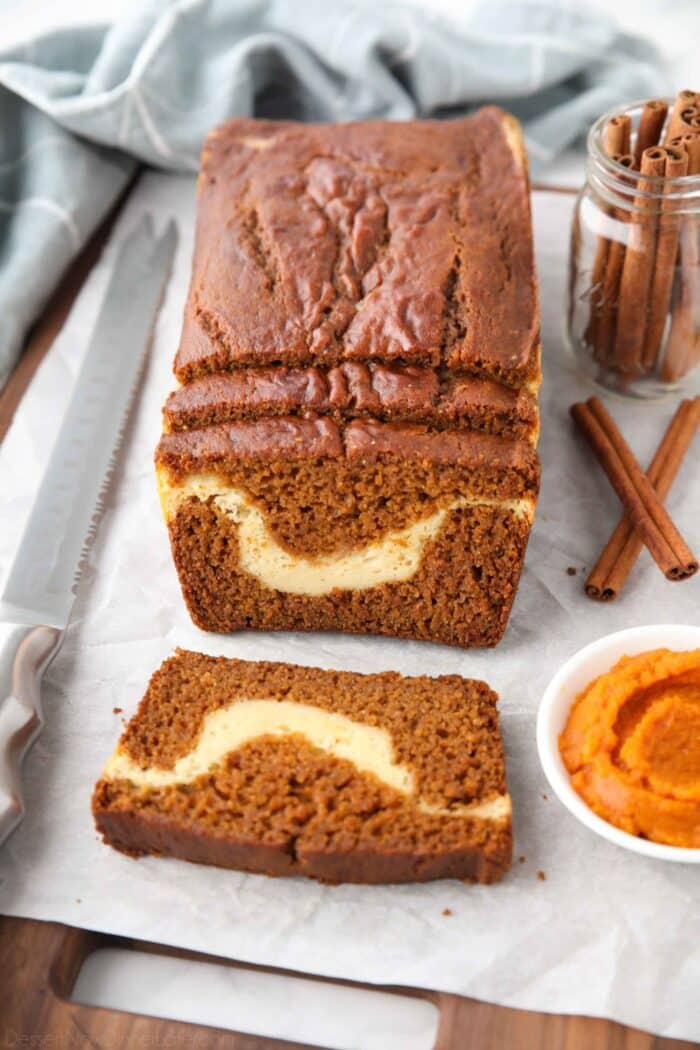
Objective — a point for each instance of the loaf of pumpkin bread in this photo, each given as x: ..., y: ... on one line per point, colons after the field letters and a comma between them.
x: 353, y: 442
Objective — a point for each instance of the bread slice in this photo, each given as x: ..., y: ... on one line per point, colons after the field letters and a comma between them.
x: 388, y: 528
x: 287, y: 770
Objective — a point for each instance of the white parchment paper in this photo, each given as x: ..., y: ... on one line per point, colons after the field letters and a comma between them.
x: 607, y: 932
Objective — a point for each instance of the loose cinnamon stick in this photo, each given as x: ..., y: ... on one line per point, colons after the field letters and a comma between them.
x: 651, y: 123
x: 681, y: 352
x: 604, y: 329
x: 644, y: 509
x: 638, y: 266
x: 620, y: 554
x: 664, y: 261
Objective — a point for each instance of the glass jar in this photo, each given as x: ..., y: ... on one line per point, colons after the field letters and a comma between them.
x: 634, y: 277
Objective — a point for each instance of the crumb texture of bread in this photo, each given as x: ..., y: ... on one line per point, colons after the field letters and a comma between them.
x: 469, y: 607
x: 352, y: 445
x: 378, y: 778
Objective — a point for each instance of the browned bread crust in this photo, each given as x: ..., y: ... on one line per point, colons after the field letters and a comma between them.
x: 373, y: 241
x: 390, y: 393
x: 224, y: 445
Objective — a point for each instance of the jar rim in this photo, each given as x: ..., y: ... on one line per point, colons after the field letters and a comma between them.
x: 594, y: 145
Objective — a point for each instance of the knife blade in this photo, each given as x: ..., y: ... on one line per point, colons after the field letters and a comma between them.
x: 40, y: 586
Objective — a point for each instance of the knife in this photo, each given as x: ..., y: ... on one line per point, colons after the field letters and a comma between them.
x: 40, y: 586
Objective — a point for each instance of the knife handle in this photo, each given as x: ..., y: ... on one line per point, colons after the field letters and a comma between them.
x: 21, y: 718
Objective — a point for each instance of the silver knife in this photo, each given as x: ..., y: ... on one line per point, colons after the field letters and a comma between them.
x: 40, y: 587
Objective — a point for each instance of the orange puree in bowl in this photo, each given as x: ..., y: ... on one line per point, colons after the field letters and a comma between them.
x: 632, y: 746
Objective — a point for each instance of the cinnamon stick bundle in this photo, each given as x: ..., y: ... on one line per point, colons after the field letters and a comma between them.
x: 645, y: 510
x: 620, y: 554
x: 633, y: 286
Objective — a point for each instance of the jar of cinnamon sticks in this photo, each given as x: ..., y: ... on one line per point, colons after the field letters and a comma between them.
x: 634, y: 309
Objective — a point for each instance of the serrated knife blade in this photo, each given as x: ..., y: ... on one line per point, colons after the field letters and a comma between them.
x: 40, y: 584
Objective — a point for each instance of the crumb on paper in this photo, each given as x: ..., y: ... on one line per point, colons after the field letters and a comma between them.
x: 117, y: 710
x: 447, y: 911
x: 571, y: 571
x: 541, y: 876
x: 522, y: 859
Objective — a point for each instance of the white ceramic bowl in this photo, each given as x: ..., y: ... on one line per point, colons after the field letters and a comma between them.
x: 568, y: 682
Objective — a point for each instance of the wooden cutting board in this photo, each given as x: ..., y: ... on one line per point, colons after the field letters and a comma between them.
x: 40, y: 961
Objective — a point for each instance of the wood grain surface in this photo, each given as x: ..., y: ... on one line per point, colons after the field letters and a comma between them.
x: 39, y: 961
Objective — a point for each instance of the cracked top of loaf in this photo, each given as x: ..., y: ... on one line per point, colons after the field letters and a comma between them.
x: 406, y: 243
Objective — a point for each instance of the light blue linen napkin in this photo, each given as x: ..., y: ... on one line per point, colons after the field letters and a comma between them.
x: 80, y: 108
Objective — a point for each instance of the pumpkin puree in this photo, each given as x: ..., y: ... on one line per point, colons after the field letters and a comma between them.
x: 632, y: 746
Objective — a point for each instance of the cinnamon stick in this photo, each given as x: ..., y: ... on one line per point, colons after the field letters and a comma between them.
x: 664, y: 261
x: 638, y: 266
x: 604, y: 329
x: 650, y: 125
x: 620, y: 554
x: 617, y: 143
x: 650, y: 519
x: 681, y: 352
x: 687, y: 120
x: 690, y: 142
x: 618, y: 134
x: 683, y: 100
